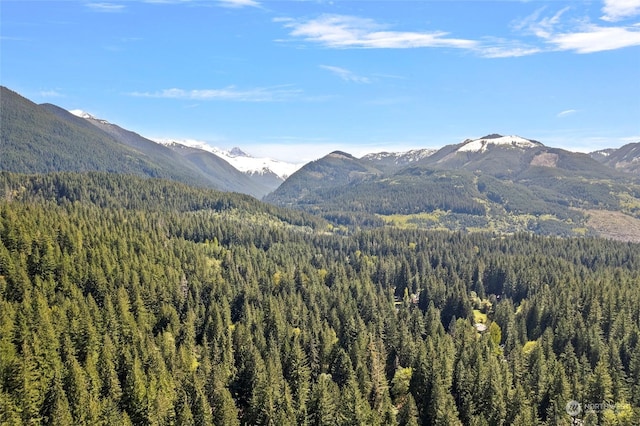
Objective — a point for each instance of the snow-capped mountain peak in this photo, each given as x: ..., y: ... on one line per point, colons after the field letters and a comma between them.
x: 482, y: 144
x: 241, y: 160
x: 400, y: 158
x: 83, y: 114
x: 237, y: 152
x: 417, y: 154
x: 80, y: 113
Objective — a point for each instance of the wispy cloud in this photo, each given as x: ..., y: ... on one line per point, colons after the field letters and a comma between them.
x: 536, y: 24
x: 51, y: 94
x: 224, y: 3
x: 238, y: 3
x: 554, y: 32
x: 259, y: 94
x: 341, y: 31
x: 616, y: 10
x: 352, y: 32
x: 168, y: 1
x: 566, y: 113
x: 593, y: 38
x: 346, y: 75
x: 580, y: 35
x: 106, y: 7
x: 493, y: 48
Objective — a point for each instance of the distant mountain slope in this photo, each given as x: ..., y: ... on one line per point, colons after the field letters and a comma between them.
x: 396, y: 160
x: 625, y: 158
x: 512, y: 157
x: 497, y: 140
x: 46, y: 138
x: 218, y: 171
x: 257, y: 165
x: 602, y: 154
x: 265, y: 171
x: 505, y: 184
x: 332, y: 171
x: 36, y: 139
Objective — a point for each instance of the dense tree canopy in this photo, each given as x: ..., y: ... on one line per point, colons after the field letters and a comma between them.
x: 133, y: 301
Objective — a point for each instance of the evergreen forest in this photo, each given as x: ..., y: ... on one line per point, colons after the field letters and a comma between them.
x: 133, y: 301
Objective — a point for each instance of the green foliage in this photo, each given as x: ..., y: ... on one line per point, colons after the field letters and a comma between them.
x: 133, y: 301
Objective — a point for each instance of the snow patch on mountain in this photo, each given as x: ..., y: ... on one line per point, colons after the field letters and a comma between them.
x: 241, y: 160
x: 83, y: 114
x: 482, y: 144
x: 252, y: 165
x: 405, y: 157
x: 80, y: 113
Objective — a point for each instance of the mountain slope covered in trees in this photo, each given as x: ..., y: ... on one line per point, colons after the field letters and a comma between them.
x: 497, y: 183
x: 626, y: 158
x: 388, y: 161
x: 46, y: 138
x: 475, y: 185
x: 138, y: 301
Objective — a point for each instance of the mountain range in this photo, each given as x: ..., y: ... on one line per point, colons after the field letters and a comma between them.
x: 396, y: 160
x: 625, y: 158
x: 499, y: 183
x: 265, y: 171
x: 46, y: 138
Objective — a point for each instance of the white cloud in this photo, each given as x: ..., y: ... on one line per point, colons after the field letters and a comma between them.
x: 507, y: 50
x: 224, y: 3
x: 566, y: 113
x: 540, y: 27
x: 238, y: 3
x: 556, y: 31
x: 259, y: 94
x: 594, y: 38
x: 341, y: 31
x: 578, y: 35
x: 346, y: 75
x: 167, y: 1
x: 51, y: 94
x: 616, y: 10
x: 105, y: 7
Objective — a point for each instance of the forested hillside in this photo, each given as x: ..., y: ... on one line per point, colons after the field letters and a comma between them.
x: 500, y: 188
x: 137, y: 301
x: 46, y: 138
x: 625, y: 158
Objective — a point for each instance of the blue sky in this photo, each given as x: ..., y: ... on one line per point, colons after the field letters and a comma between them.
x: 297, y: 79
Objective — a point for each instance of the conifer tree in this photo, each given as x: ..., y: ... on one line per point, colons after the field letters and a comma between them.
x: 408, y: 413
x: 323, y: 403
x: 56, y: 410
